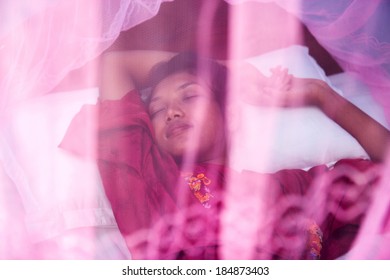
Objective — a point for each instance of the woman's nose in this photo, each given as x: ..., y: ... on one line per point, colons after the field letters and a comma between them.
x: 173, y: 112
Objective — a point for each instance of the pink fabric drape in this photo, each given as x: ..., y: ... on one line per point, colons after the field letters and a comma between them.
x: 357, y: 37
x: 41, y: 42
x: 354, y: 32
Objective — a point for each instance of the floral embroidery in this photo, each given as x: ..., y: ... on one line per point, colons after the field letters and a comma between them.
x: 315, y: 241
x: 198, y: 183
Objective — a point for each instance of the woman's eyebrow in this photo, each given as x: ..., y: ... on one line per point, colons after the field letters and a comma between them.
x: 187, y: 84
x: 154, y: 99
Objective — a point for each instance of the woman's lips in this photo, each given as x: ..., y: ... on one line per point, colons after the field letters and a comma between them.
x: 176, y: 129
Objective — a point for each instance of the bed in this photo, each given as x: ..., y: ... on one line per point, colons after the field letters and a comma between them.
x: 51, y: 202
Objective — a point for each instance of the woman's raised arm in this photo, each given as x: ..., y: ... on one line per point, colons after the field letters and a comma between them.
x: 123, y: 71
x: 371, y: 135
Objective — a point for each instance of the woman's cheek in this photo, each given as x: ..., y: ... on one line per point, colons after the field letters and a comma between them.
x: 158, y: 130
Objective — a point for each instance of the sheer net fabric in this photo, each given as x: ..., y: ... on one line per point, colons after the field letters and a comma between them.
x: 41, y: 43
x: 289, y: 226
x: 353, y: 32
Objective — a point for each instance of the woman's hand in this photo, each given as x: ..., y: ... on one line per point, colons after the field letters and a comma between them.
x: 300, y: 92
x: 258, y: 89
x: 280, y: 89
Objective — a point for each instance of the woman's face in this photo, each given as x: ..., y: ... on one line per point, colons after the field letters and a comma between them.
x: 187, y: 119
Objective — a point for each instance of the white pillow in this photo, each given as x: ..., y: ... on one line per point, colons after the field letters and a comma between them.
x: 60, y: 191
x: 271, y: 139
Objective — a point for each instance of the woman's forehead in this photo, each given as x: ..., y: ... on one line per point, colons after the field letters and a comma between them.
x: 175, y: 80
x: 176, y: 83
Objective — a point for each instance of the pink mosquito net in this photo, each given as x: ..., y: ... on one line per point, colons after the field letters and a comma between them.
x: 42, y: 42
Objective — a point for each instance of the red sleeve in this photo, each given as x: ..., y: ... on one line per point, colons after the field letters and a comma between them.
x: 293, y: 181
x: 339, y: 196
x: 350, y: 185
x: 133, y: 170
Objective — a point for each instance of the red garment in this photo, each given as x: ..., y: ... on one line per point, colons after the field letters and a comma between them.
x: 140, y: 192
x: 143, y: 184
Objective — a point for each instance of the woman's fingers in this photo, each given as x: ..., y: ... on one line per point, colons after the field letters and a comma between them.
x: 281, y: 89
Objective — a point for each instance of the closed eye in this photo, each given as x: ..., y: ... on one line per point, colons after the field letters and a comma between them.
x: 191, y: 94
x: 190, y: 97
x: 154, y: 113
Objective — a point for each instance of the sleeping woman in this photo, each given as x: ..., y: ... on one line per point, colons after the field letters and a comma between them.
x: 165, y: 152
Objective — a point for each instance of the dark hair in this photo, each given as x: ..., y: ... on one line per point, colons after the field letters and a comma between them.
x: 213, y: 72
